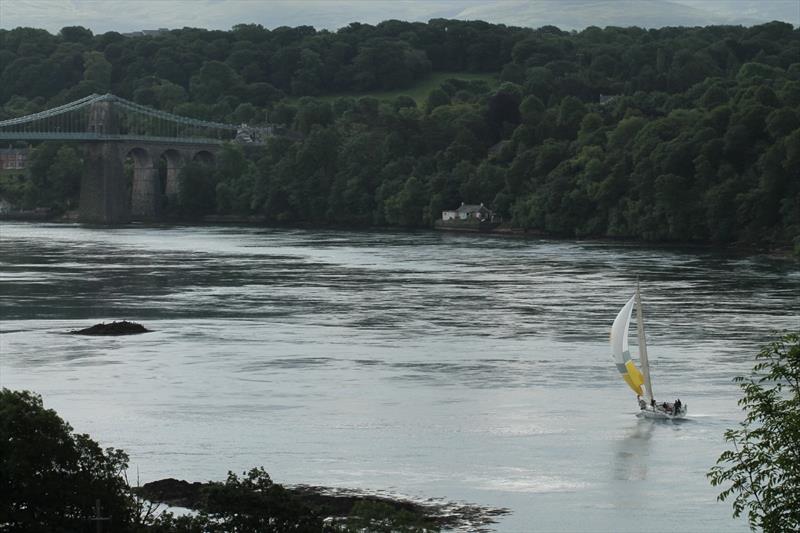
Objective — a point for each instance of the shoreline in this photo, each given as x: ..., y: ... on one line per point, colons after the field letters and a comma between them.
x: 784, y: 250
x: 338, y: 503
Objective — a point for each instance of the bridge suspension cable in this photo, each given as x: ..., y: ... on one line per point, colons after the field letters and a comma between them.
x: 77, y: 104
x: 87, y: 119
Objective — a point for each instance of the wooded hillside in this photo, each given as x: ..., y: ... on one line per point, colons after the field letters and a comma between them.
x: 676, y: 134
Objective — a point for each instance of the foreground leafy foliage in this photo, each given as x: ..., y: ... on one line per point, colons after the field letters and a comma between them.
x: 762, y: 472
x: 51, y: 478
x: 673, y: 134
x: 254, y: 503
x: 377, y: 517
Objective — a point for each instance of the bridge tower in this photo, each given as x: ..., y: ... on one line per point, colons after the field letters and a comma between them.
x: 108, y: 194
x: 101, y: 118
x: 104, y: 192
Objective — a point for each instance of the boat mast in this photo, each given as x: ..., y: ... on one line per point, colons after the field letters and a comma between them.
x: 643, y: 345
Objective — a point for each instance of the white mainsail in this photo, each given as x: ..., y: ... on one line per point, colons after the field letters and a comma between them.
x: 643, y: 345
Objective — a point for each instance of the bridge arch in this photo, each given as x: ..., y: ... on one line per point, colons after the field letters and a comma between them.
x: 175, y: 161
x: 143, y: 184
x: 205, y: 157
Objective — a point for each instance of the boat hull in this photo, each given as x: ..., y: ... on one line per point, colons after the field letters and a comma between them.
x: 658, y: 414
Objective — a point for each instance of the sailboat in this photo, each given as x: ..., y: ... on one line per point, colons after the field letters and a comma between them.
x: 636, y: 379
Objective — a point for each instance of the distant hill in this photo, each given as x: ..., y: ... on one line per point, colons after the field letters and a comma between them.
x: 135, y: 15
x: 673, y: 134
x: 566, y: 14
x: 579, y: 14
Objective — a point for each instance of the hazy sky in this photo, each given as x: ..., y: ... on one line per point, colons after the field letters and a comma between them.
x: 130, y: 15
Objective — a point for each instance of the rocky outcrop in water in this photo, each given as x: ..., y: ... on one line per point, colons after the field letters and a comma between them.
x: 173, y: 492
x: 123, y: 327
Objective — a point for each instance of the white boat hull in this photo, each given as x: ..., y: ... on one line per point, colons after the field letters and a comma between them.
x: 659, y: 414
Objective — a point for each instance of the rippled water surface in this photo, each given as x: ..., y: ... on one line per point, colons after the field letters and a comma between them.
x: 466, y: 368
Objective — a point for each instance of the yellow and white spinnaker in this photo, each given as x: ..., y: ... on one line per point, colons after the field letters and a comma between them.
x: 619, y: 349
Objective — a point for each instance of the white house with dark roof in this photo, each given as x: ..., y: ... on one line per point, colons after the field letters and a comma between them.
x: 468, y: 212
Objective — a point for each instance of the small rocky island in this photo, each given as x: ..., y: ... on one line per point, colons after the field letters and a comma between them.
x: 123, y: 327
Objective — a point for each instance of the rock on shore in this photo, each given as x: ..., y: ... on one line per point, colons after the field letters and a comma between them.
x: 338, y: 503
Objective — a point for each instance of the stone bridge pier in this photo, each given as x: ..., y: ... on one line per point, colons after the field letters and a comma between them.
x: 111, y: 194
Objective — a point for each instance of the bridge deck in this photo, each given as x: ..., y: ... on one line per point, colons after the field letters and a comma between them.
x: 87, y: 136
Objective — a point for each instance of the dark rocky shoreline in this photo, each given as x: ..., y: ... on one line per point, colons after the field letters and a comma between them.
x: 338, y: 503
x: 785, y: 250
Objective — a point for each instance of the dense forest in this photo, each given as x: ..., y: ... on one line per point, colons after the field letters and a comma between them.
x: 672, y: 134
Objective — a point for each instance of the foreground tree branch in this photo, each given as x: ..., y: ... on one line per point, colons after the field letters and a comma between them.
x: 762, y: 472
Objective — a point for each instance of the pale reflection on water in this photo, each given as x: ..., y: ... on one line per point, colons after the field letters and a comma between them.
x: 633, y: 452
x: 462, y: 367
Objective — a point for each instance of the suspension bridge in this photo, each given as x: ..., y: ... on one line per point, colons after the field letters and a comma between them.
x: 112, y: 130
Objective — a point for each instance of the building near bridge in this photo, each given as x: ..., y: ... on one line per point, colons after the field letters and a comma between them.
x: 13, y: 158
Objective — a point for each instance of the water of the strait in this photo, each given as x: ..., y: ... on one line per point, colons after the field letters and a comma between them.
x: 466, y: 368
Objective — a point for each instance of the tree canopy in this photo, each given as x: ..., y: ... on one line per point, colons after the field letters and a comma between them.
x: 762, y: 472
x: 50, y: 477
x: 673, y: 134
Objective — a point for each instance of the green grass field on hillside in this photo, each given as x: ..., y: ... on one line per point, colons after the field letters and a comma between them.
x: 11, y: 172
x: 418, y: 92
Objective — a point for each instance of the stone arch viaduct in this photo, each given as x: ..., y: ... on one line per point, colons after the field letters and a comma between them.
x: 111, y: 194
